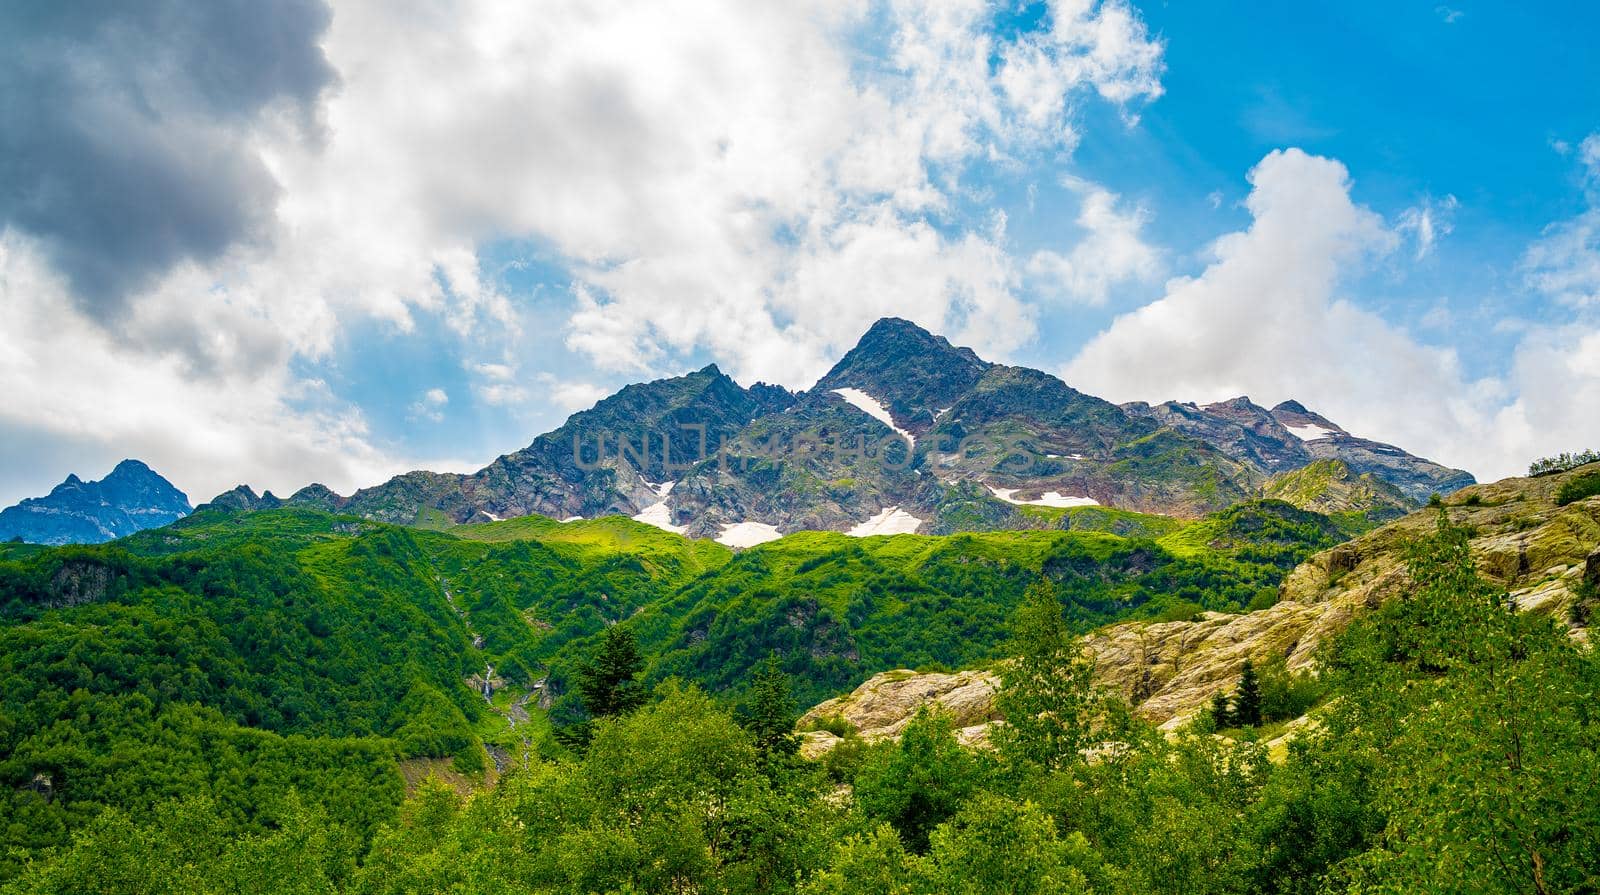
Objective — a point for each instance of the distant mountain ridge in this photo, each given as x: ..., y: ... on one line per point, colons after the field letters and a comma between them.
x: 907, y: 432
x: 132, y: 498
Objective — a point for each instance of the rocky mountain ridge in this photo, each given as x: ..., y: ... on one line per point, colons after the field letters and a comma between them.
x: 131, y: 498
x: 906, y: 433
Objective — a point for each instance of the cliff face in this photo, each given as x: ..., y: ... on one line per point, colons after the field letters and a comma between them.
x: 1546, y: 556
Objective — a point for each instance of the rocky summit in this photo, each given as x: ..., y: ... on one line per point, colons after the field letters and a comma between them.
x: 131, y: 498
x: 906, y: 433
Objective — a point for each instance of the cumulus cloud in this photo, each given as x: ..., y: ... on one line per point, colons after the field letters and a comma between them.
x: 130, y: 140
x: 1565, y: 262
x: 71, y: 384
x: 1265, y: 319
x: 1111, y: 250
x: 223, y: 190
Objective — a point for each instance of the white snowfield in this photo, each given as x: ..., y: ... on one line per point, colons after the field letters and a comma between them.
x: 493, y: 517
x: 870, y: 406
x: 1310, y: 432
x: 659, y: 515
x: 1048, y: 499
x: 573, y: 519
x: 748, y: 534
x: 889, y: 521
x: 1065, y: 456
x: 662, y: 489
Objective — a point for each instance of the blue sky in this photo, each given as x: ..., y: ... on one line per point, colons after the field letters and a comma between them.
x: 1385, y: 210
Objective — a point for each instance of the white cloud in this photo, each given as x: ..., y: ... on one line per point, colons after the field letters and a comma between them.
x: 68, y: 380
x: 1265, y: 319
x: 571, y: 396
x: 1565, y: 262
x: 1447, y: 15
x: 757, y: 180
x: 430, y: 406
x: 1427, y: 222
x: 1111, y: 250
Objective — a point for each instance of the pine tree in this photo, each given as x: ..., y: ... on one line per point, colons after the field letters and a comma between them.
x: 1221, y: 711
x: 771, y: 716
x: 608, y: 684
x: 1247, y: 705
x: 1046, y: 693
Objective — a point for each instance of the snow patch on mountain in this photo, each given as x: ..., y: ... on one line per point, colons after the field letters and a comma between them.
x: 748, y: 534
x: 1310, y: 432
x: 660, y: 515
x: 662, y: 489
x: 1048, y: 499
x: 871, y: 407
x: 889, y: 521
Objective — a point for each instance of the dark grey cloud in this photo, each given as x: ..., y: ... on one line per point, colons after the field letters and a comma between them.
x: 125, y: 127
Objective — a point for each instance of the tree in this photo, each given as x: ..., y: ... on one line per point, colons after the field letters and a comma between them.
x: 608, y: 684
x: 1221, y: 711
x: 771, y: 715
x: 1247, y: 705
x: 921, y: 782
x: 1046, y: 692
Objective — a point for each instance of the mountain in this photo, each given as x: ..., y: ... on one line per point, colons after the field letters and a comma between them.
x: 1289, y: 437
x: 1331, y: 487
x: 131, y: 498
x: 907, y: 432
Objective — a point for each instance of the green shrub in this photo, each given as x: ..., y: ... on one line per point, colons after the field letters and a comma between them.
x: 1180, y: 612
x: 1578, y: 488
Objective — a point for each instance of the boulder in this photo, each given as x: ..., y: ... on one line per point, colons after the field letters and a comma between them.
x: 881, y: 707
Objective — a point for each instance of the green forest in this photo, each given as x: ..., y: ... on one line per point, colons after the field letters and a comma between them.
x: 286, y: 701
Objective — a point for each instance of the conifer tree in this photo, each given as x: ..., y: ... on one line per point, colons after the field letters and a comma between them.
x: 608, y: 685
x: 1221, y: 711
x: 1247, y: 705
x: 771, y: 716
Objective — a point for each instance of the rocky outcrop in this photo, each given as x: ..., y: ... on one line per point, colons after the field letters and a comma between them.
x: 882, y: 706
x: 1541, y: 553
x: 1538, y: 551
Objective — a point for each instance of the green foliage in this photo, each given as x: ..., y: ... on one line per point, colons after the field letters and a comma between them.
x: 1577, y: 488
x: 1247, y: 701
x: 609, y: 684
x: 1046, y: 694
x: 1454, y: 752
x: 771, y: 715
x: 920, y: 782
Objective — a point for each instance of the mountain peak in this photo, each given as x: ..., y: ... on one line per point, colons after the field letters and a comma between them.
x: 1291, y: 407
x: 131, y: 466
x: 133, y: 497
x: 910, y: 370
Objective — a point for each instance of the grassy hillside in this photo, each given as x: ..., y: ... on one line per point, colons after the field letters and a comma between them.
x: 253, y: 655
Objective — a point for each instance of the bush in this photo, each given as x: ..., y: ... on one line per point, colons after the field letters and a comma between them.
x: 1578, y: 488
x: 1265, y: 599
x: 1180, y: 612
x: 1285, y: 694
x: 834, y: 724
